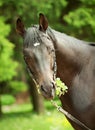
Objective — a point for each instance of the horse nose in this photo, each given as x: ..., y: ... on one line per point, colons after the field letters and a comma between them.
x: 48, y: 90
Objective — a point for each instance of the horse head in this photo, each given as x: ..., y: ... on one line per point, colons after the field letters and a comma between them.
x: 39, y: 55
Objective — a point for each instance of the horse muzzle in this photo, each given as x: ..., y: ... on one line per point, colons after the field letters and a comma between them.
x: 48, y: 90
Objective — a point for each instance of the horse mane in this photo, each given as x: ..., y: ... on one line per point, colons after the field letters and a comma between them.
x: 32, y: 35
x: 69, y: 41
x: 66, y: 38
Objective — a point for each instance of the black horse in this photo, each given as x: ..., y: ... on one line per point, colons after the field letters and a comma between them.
x: 45, y: 50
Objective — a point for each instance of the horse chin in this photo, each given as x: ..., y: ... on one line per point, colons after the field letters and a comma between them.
x: 49, y: 96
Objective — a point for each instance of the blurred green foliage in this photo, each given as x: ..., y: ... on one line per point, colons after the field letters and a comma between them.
x: 17, y: 86
x: 82, y: 20
x: 7, y: 64
x: 7, y: 99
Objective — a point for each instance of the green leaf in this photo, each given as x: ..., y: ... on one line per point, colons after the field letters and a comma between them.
x: 61, y: 87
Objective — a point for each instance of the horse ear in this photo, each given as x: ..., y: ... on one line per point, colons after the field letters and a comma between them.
x: 20, y: 27
x: 43, y: 22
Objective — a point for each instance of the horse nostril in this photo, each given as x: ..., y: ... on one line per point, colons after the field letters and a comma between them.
x: 43, y: 89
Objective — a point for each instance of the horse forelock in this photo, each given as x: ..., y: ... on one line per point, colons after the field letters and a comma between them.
x: 32, y: 37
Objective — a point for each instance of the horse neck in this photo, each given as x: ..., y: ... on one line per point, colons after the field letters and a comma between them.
x: 71, y: 55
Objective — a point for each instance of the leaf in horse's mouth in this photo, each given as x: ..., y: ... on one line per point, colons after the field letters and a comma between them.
x: 61, y: 87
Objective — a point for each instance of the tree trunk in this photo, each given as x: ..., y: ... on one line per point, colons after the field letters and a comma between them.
x: 36, y: 98
x: 0, y: 107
